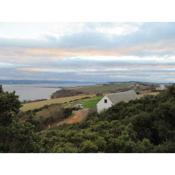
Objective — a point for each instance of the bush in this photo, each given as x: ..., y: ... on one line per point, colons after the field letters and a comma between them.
x: 89, y: 147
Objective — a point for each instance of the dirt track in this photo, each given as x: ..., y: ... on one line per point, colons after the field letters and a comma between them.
x: 77, y: 117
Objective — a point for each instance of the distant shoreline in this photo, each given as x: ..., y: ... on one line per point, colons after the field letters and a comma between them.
x: 57, y: 82
x: 32, y: 91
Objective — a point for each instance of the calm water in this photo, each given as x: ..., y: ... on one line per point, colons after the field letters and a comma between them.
x: 30, y: 92
x: 37, y: 91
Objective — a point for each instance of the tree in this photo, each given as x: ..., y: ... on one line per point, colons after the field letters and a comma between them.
x: 1, y: 90
x: 15, y: 135
x: 9, y: 107
x: 171, y: 90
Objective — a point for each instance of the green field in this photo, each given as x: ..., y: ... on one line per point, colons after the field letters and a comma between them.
x: 63, y: 100
x: 91, y: 103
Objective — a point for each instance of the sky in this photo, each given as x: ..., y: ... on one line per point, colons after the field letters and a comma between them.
x: 92, y: 52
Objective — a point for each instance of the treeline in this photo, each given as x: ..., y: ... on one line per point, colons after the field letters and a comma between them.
x: 144, y: 125
x: 66, y: 93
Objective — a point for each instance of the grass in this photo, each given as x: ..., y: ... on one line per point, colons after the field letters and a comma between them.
x: 91, y: 103
x: 40, y: 104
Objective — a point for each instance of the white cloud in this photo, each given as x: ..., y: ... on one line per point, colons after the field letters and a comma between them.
x: 6, y: 65
x: 119, y: 29
x: 40, y: 30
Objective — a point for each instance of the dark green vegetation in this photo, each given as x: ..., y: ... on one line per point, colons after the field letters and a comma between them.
x: 143, y: 125
x: 65, y: 93
x: 15, y: 135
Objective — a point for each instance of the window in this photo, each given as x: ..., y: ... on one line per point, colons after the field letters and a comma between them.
x: 105, y: 101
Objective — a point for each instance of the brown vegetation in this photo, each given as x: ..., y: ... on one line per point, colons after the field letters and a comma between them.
x: 66, y: 93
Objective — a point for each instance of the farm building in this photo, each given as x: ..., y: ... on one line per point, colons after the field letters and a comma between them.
x: 162, y: 87
x: 111, y: 99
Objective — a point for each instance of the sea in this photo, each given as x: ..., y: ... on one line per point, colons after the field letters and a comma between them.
x: 32, y: 92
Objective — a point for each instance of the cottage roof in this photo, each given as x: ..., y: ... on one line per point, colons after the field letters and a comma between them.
x: 122, y: 96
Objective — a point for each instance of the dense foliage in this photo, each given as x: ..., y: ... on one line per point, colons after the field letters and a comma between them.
x: 15, y: 135
x: 143, y: 125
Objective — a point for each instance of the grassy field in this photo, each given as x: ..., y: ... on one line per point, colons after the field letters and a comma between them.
x: 91, y: 103
x: 40, y: 104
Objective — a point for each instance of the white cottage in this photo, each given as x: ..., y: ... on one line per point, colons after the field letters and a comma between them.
x: 111, y: 99
x: 162, y: 87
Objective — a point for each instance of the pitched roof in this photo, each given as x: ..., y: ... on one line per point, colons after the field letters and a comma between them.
x: 122, y: 96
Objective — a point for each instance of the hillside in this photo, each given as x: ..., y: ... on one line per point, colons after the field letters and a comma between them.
x: 144, y: 125
x: 100, y: 89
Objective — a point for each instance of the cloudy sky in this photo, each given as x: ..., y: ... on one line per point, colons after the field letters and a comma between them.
x: 88, y: 51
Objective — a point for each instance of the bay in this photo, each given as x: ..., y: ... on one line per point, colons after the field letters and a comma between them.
x: 31, y: 92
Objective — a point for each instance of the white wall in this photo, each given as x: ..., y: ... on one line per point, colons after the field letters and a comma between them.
x: 101, y: 106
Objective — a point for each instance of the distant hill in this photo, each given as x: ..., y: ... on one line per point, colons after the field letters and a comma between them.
x: 74, y: 82
x: 42, y: 82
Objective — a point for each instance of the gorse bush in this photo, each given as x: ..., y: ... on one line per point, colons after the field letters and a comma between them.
x: 143, y: 125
